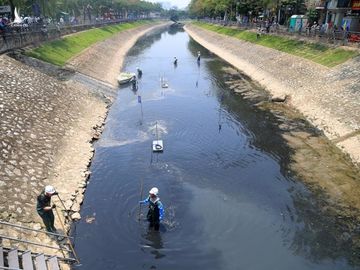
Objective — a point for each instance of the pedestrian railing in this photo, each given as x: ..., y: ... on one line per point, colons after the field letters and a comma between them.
x: 331, y: 36
x: 11, y: 255
x: 19, y: 37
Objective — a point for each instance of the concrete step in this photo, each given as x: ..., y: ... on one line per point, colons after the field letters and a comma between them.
x: 40, y: 262
x: 27, y: 261
x: 53, y: 263
x: 1, y: 256
x: 13, y: 259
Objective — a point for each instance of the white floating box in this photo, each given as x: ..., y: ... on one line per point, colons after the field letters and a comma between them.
x: 158, y: 146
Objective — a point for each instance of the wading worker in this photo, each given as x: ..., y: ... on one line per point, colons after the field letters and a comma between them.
x: 156, y: 209
x: 44, y: 208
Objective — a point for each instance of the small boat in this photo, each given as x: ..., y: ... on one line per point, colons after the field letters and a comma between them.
x: 126, y: 77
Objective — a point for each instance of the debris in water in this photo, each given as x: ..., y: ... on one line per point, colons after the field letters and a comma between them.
x: 90, y: 219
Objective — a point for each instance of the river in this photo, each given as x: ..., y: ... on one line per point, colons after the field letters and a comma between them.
x: 231, y: 202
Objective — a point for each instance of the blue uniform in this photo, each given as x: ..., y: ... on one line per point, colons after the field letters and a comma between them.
x: 156, y: 212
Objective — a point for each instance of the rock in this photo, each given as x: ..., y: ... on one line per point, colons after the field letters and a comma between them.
x: 37, y: 226
x: 80, y: 199
x: 82, y: 184
x: 5, y: 215
x: 281, y: 98
x: 76, y: 216
x: 68, y: 204
x: 75, y: 207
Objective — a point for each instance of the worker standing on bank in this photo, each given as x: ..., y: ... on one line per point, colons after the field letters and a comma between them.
x: 156, y: 209
x: 44, y: 208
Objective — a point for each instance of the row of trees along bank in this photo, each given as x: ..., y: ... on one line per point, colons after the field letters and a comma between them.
x: 274, y: 10
x: 114, y: 9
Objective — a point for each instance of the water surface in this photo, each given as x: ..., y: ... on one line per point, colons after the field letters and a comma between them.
x: 231, y: 202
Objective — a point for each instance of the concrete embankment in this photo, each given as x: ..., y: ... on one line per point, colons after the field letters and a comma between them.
x: 47, y: 129
x: 328, y: 98
x: 104, y: 60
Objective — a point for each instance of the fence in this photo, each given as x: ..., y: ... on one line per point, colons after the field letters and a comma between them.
x: 334, y: 37
x: 15, y: 37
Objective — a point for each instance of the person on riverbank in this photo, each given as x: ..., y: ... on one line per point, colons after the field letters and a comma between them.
x: 156, y: 209
x: 198, y: 56
x: 175, y: 61
x: 44, y: 208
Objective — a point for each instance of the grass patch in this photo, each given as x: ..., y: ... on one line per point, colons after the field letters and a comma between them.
x: 59, y: 51
x: 318, y: 53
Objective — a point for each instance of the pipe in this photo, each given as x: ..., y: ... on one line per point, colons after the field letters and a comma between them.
x: 8, y: 268
x: 34, y: 254
x: 141, y: 194
x: 30, y: 229
x: 70, y: 244
x: 32, y: 243
x: 62, y: 203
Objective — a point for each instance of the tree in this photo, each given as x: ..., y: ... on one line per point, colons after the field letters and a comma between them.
x: 75, y: 7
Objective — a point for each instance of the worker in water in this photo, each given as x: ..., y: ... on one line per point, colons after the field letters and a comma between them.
x: 175, y: 61
x: 134, y: 85
x: 139, y: 72
x: 156, y: 209
x: 198, y: 56
x: 44, y: 208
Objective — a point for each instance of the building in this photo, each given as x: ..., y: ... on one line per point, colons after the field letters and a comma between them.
x: 343, y: 14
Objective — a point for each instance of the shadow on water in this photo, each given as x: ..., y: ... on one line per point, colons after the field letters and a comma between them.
x: 232, y: 194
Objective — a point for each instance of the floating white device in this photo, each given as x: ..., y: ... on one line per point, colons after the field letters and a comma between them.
x: 158, y: 146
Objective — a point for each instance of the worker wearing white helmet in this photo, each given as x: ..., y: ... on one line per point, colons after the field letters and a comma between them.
x: 44, y: 207
x: 156, y: 209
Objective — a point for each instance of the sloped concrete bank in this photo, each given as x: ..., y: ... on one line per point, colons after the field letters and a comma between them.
x: 48, y: 125
x: 104, y: 60
x: 328, y: 98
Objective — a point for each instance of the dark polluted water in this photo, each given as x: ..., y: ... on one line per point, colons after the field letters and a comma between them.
x: 230, y: 201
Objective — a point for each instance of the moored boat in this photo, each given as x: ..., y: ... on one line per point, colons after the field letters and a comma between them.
x: 126, y: 77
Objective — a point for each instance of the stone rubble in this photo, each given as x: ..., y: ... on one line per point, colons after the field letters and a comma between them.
x: 39, y: 116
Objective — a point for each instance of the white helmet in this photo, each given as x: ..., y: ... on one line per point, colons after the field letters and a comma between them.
x: 50, y: 189
x: 154, y: 191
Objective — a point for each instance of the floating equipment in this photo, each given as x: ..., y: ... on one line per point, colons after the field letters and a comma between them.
x: 157, y: 145
x: 163, y: 83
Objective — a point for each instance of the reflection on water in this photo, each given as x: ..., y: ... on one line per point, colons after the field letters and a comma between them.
x: 154, y: 243
x: 231, y: 201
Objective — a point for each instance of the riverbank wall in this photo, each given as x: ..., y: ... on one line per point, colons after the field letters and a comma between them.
x: 328, y: 97
x: 48, y: 125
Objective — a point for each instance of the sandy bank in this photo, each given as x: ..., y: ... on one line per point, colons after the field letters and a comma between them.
x: 326, y: 97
